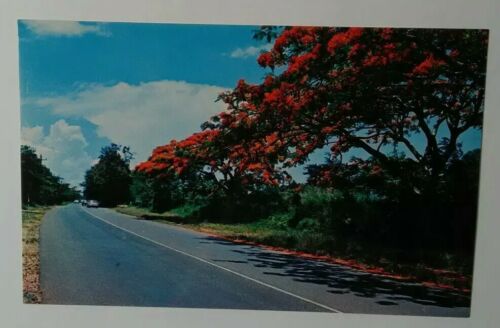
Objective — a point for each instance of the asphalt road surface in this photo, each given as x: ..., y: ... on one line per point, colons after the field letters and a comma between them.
x: 96, y: 256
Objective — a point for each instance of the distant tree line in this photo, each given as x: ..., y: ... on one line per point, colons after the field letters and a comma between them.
x: 39, y: 185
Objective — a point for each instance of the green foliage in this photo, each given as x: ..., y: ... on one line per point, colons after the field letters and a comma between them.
x: 189, y: 210
x: 324, y: 208
x: 412, y: 211
x: 39, y: 185
x: 141, y: 190
x: 197, y: 197
x: 309, y: 224
x: 109, y: 180
x: 280, y: 220
x: 361, y: 205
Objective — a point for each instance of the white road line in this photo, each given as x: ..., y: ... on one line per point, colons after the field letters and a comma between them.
x: 215, y: 265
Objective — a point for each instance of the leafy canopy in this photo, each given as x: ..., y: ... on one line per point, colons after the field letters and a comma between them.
x: 108, y: 181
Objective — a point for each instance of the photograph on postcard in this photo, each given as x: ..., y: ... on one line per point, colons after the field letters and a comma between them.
x: 286, y: 168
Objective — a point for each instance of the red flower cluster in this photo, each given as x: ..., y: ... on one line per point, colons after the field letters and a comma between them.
x: 266, y: 59
x: 178, y: 156
x: 430, y: 63
x: 343, y: 38
x: 302, y: 35
x: 301, y: 62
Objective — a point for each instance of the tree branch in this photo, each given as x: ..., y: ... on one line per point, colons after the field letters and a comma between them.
x: 363, y: 145
x: 432, y: 146
x: 410, y: 147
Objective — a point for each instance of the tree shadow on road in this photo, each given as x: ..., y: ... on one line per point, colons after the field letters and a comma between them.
x: 344, y: 280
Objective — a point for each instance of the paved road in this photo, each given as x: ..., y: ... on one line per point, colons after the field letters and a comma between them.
x: 100, y: 257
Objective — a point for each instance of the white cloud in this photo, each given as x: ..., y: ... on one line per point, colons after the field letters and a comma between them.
x: 140, y: 116
x: 31, y: 135
x: 250, y: 51
x: 63, y: 148
x: 64, y: 28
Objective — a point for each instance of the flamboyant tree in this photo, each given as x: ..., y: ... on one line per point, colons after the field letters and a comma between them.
x: 375, y: 89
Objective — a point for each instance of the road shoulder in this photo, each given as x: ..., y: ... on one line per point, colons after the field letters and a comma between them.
x: 31, y: 221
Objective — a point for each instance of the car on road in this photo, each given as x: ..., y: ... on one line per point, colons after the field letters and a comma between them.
x: 92, y: 203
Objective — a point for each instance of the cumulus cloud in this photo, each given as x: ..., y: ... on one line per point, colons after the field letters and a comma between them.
x: 64, y: 28
x: 250, y: 51
x: 141, y: 116
x: 31, y: 135
x: 63, y: 148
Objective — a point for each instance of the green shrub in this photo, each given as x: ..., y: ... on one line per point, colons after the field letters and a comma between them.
x: 279, y: 220
x: 330, y: 208
x: 309, y: 224
x: 189, y: 210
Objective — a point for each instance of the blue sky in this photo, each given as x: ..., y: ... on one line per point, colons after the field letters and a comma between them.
x: 84, y: 85
x: 134, y: 84
x: 135, y: 53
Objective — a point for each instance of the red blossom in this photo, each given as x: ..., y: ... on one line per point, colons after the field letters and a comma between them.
x: 300, y: 34
x: 299, y: 63
x: 269, y: 81
x: 430, y: 63
x: 266, y: 59
x: 307, y: 39
x: 355, y: 49
x: 343, y: 38
x: 273, y: 96
x: 327, y: 130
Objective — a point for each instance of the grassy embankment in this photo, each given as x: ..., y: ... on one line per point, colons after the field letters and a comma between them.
x: 275, y: 234
x: 31, y: 218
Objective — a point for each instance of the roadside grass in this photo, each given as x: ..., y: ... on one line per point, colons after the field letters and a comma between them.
x: 132, y: 210
x: 145, y: 214
x: 445, y: 271
x: 31, y: 220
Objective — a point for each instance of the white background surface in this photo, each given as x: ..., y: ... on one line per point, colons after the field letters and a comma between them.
x: 394, y: 13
